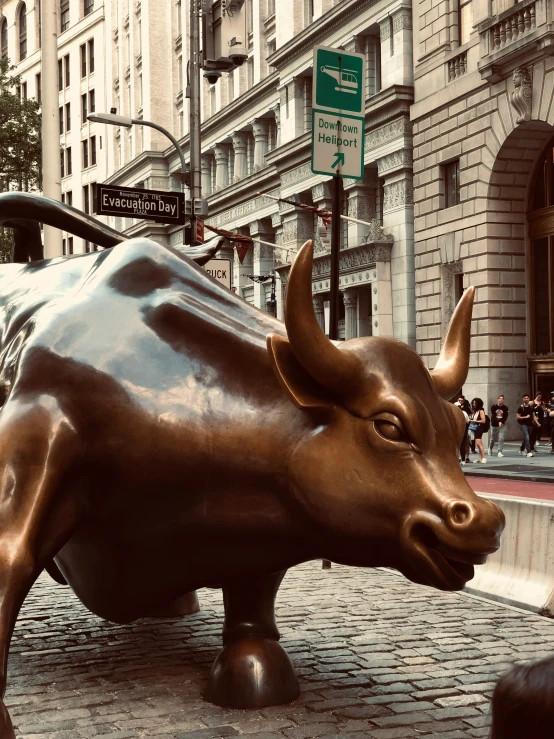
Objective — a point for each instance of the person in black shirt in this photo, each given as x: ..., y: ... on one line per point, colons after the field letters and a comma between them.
x: 499, y: 416
x: 538, y: 415
x: 525, y: 420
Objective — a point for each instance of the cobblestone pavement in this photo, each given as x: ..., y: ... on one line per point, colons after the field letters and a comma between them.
x: 377, y: 657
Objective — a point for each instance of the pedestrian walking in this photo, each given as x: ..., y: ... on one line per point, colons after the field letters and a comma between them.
x: 551, y: 418
x: 536, y: 428
x: 499, y: 417
x: 463, y: 405
x: 525, y: 420
x: 476, y: 424
x: 523, y: 702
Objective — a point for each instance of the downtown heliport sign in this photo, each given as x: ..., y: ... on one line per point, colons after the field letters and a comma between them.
x: 338, y: 120
x: 135, y: 202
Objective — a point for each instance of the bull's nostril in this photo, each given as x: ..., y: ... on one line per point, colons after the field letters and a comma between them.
x: 460, y: 513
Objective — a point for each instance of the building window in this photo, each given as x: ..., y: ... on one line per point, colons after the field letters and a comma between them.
x: 90, y: 56
x: 308, y: 11
x: 69, y: 198
x: 67, y: 117
x: 84, y: 147
x: 86, y: 199
x: 24, y: 91
x: 83, y: 55
x: 38, y: 86
x: 4, y: 38
x: 465, y: 21
x: 84, y: 108
x: 69, y: 161
x: 39, y: 30
x: 22, y: 23
x: 92, y: 151
x: 66, y: 70
x: 61, y: 119
x: 64, y: 247
x: 89, y: 7
x: 451, y: 183
x: 62, y: 162
x: 60, y: 75
x: 92, y: 101
x: 70, y: 245
x: 64, y: 15
x: 179, y: 19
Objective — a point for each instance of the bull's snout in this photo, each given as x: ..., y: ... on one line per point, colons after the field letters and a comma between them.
x: 480, y: 520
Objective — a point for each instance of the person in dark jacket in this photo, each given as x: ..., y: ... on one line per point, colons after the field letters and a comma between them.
x: 525, y: 420
x: 499, y: 416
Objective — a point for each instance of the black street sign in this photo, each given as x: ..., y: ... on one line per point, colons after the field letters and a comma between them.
x: 131, y: 202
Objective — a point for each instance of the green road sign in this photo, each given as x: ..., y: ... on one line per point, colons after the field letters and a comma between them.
x: 339, y: 80
x: 338, y: 144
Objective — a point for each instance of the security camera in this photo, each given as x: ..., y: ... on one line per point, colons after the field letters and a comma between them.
x: 212, y: 76
x: 113, y: 111
x: 238, y: 59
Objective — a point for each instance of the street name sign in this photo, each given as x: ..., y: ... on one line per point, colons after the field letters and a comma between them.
x: 135, y: 202
x: 338, y: 120
x: 220, y: 270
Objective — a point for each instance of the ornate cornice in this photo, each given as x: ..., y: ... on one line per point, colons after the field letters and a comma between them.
x: 356, y: 258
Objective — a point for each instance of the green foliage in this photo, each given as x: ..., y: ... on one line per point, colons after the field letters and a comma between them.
x: 20, y: 134
x: 20, y: 144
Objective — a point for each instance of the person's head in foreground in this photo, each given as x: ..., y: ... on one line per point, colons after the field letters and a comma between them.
x: 523, y: 702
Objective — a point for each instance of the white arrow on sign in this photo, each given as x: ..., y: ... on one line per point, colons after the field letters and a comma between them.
x: 338, y: 144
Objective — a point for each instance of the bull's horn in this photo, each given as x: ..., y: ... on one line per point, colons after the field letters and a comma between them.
x: 453, y: 364
x: 336, y: 370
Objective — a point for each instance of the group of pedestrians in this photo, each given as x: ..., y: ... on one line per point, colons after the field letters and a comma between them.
x: 535, y: 418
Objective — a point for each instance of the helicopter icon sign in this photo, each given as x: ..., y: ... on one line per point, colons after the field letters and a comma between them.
x: 339, y: 80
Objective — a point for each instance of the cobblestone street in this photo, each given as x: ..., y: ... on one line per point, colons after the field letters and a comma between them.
x: 377, y: 657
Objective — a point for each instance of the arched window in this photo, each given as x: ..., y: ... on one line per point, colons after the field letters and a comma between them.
x: 22, y: 27
x: 4, y: 38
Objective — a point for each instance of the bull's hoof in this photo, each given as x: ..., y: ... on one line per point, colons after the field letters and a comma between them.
x: 184, y: 606
x: 6, y: 728
x: 252, y: 673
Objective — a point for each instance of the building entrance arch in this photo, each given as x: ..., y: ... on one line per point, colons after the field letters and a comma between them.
x: 511, y: 208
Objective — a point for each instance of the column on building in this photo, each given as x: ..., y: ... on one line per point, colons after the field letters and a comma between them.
x: 206, y: 169
x: 240, y: 147
x: 280, y: 265
x: 319, y: 309
x: 241, y: 270
x: 221, y: 153
x: 298, y: 225
x: 397, y: 49
x: 292, y: 109
x: 322, y: 199
x: 276, y: 110
x: 263, y: 259
x: 260, y: 128
x: 350, y: 298
x: 361, y: 204
x: 396, y: 170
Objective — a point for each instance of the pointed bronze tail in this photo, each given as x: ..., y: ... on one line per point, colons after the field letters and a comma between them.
x: 336, y: 370
x: 452, y: 366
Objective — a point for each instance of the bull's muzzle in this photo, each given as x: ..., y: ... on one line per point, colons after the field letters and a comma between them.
x: 444, y: 549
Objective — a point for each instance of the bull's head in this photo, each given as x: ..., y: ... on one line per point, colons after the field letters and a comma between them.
x: 379, y: 471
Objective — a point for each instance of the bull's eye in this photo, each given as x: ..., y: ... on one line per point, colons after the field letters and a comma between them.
x: 389, y: 431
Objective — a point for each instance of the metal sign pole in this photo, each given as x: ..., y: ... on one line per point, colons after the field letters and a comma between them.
x: 335, y: 257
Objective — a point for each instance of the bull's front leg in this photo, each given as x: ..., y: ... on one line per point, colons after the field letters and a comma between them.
x: 253, y: 669
x: 37, y: 445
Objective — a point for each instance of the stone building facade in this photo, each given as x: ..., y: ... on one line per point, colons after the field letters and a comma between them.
x: 256, y: 138
x: 483, y: 125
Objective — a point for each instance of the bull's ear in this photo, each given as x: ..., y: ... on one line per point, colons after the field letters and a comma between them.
x: 301, y: 389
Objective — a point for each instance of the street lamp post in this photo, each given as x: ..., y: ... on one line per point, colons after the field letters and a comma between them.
x: 121, y: 120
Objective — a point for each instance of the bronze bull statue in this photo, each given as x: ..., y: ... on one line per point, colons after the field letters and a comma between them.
x: 158, y: 434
